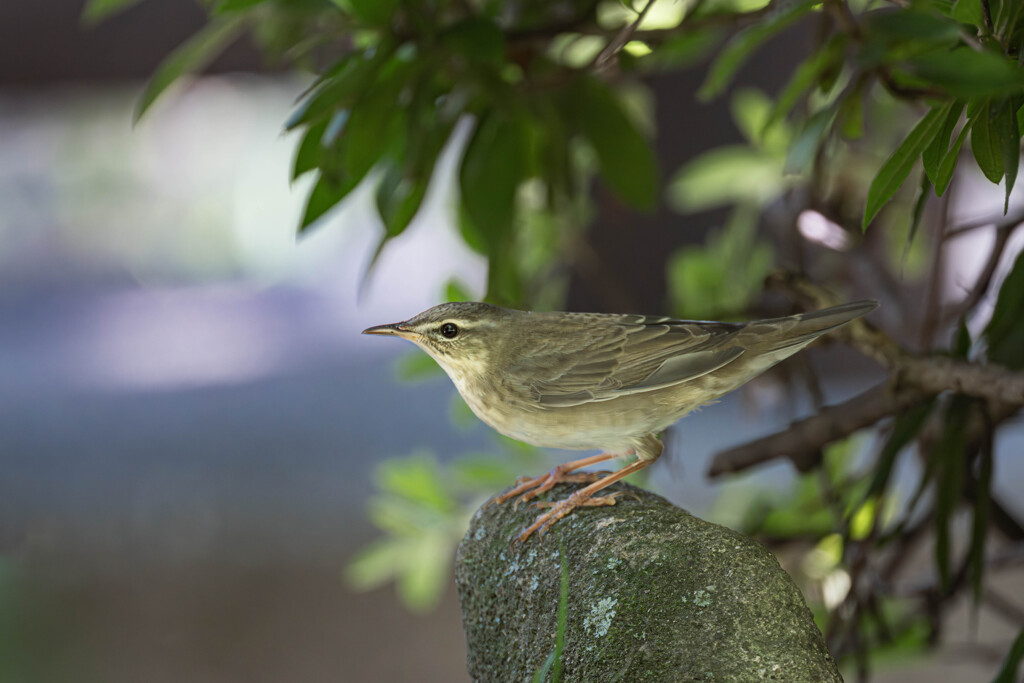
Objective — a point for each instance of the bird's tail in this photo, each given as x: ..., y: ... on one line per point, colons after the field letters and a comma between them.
x: 803, y: 328
x: 819, y: 322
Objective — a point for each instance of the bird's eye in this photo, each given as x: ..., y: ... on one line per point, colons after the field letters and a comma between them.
x: 449, y: 330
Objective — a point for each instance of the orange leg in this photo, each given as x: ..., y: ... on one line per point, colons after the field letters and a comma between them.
x: 582, y: 497
x: 546, y: 481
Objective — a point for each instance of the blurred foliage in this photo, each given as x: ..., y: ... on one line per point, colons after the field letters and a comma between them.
x: 540, y: 97
x: 423, y: 508
x: 395, y: 77
x: 747, y: 175
x: 721, y: 279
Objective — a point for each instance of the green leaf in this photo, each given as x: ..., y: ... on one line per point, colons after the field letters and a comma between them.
x: 896, y: 169
x: 851, y: 114
x: 968, y: 73
x: 1011, y: 665
x: 372, y: 128
x: 680, y: 50
x: 722, y: 276
x: 228, y: 6
x: 96, y: 11
x: 421, y: 583
x: 805, y: 145
x: 982, y: 505
x: 470, y: 234
x: 309, y: 151
x: 905, y: 429
x: 805, y: 76
x: 477, y: 39
x: 408, y: 173
x: 909, y: 25
x: 190, y: 57
x: 736, y: 52
x: 726, y: 175
x: 751, y: 109
x: 398, y: 198
x: 915, y: 217
x: 1005, y: 331
x: 624, y: 154
x: 376, y: 122
x: 1007, y: 138
x: 985, y: 144
x: 373, y: 12
x: 342, y: 85
x: 484, y: 472
x: 415, y: 478
x: 541, y: 674
x: 375, y: 564
x: 504, y: 282
x: 944, y: 174
x: 936, y: 150
x: 967, y: 12
x: 400, y: 517
x: 492, y: 168
x: 455, y: 290
x: 323, y: 197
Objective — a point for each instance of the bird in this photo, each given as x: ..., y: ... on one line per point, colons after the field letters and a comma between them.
x: 598, y: 381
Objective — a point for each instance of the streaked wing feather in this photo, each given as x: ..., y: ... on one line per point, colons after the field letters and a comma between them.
x: 631, y: 354
x: 685, y: 367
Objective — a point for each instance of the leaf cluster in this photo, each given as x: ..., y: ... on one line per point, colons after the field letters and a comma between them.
x: 394, y: 80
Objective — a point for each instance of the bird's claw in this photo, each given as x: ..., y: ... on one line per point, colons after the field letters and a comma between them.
x: 562, y: 508
x: 531, y: 487
x: 595, y: 501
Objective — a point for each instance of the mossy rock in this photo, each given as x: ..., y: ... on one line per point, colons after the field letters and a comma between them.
x: 655, y: 594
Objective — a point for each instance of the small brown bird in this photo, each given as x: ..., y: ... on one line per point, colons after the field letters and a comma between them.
x: 598, y: 381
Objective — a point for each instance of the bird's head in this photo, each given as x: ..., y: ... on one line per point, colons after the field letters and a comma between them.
x: 460, y: 336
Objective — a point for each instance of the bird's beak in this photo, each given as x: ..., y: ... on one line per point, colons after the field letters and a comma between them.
x: 396, y: 329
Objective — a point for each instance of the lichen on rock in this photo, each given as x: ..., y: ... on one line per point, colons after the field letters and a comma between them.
x: 655, y: 594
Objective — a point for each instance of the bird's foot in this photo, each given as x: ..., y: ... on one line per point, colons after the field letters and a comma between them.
x: 562, y: 508
x: 531, y: 487
x: 593, y: 501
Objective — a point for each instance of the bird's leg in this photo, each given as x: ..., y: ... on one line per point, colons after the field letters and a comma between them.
x: 583, y: 497
x: 559, y: 474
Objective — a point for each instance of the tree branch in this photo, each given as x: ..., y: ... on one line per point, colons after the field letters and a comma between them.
x: 935, y: 374
x: 803, y: 440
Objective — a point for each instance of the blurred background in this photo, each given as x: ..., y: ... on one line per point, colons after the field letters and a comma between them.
x: 191, y: 424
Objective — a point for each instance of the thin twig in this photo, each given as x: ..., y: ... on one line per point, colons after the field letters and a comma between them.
x: 984, y: 280
x: 1003, y: 606
x: 604, y: 58
x: 906, y: 92
x: 999, y: 221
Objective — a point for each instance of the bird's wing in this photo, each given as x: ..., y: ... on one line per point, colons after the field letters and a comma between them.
x: 624, y: 355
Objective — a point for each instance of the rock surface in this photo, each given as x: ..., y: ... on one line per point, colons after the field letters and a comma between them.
x: 654, y: 594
